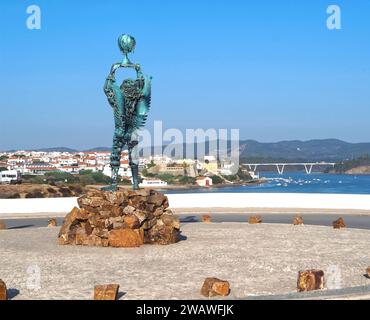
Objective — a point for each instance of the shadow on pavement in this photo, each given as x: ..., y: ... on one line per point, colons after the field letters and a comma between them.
x: 21, y: 227
x: 12, y: 293
x: 189, y: 219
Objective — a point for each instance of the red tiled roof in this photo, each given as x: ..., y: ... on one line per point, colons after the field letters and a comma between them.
x: 202, y: 178
x: 41, y: 168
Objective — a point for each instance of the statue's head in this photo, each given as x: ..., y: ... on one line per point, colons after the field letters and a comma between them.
x: 126, y: 43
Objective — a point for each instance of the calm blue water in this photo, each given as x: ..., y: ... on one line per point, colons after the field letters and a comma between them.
x: 300, y: 183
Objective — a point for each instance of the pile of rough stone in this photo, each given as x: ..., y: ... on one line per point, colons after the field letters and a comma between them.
x: 125, y: 218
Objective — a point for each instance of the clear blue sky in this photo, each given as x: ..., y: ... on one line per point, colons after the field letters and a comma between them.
x: 270, y: 68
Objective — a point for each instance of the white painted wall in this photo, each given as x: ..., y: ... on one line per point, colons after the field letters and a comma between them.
x: 35, y: 207
x: 31, y: 206
x: 270, y: 200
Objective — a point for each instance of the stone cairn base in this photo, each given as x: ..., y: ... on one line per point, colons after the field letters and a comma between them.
x: 3, y: 291
x: 126, y: 218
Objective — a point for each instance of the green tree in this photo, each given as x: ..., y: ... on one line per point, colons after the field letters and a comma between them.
x: 151, y: 164
x: 28, y: 178
x: 86, y: 179
x: 169, y: 178
x: 186, y: 180
x: 99, y: 177
x: 231, y: 178
x: 125, y: 181
x: 243, y: 175
x: 58, y: 176
x: 83, y: 171
x: 146, y: 173
x: 217, y: 180
x: 90, y: 177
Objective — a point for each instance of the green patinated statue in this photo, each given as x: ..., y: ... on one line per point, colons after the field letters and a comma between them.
x: 130, y: 103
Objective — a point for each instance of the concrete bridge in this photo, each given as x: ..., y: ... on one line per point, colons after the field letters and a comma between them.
x: 281, y: 166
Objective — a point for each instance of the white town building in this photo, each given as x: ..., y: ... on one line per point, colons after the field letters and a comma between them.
x: 204, y: 181
x: 151, y: 182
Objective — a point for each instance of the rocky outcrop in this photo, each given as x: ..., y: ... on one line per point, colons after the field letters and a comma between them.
x: 338, y: 224
x: 3, y: 291
x: 359, y: 170
x: 106, y: 292
x: 215, y: 287
x: 255, y: 219
x: 309, y: 280
x: 32, y: 190
x: 120, y: 219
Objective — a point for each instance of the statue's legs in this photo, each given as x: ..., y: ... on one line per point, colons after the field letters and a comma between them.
x: 134, y: 163
x: 115, y: 160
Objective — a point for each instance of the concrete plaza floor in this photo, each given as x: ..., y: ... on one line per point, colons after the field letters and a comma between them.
x: 257, y: 260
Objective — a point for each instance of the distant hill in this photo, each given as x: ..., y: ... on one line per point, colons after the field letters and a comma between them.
x: 311, y: 150
x: 98, y: 149
x: 332, y: 150
x: 57, y: 149
x: 63, y: 149
x: 53, y: 149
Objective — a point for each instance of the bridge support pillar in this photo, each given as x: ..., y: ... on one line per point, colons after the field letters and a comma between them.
x: 280, y: 169
x: 252, y: 168
x: 308, y: 168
